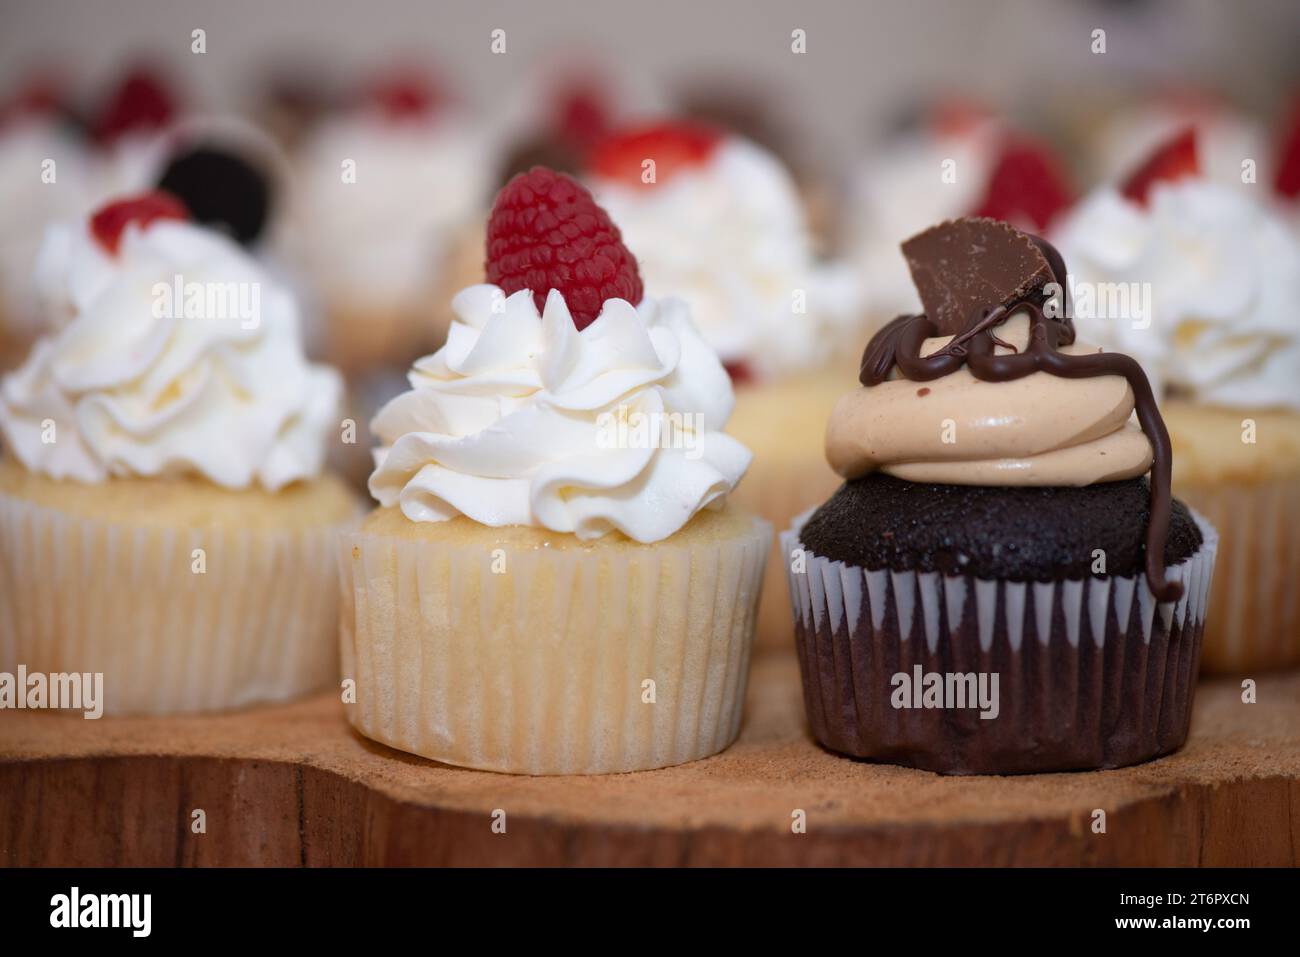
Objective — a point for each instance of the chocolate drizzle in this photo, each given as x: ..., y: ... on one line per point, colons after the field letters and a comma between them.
x: 899, y: 344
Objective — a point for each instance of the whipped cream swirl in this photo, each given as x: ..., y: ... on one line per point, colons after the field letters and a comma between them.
x: 1224, y: 275
x: 379, y: 242
x: 731, y: 239
x: 959, y: 430
x: 132, y: 381
x: 518, y: 420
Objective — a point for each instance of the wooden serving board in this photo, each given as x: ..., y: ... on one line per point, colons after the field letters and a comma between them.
x: 294, y: 784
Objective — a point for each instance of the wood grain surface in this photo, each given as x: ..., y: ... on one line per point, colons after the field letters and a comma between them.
x: 294, y: 785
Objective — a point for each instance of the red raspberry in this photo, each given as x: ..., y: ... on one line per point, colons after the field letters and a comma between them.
x: 108, y: 223
x: 1287, y: 182
x: 674, y: 146
x: 1027, y: 186
x: 141, y: 102
x: 546, y: 232
x: 1173, y: 159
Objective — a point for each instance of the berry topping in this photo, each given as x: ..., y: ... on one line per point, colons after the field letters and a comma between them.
x: 581, y: 116
x: 674, y: 147
x: 405, y: 95
x: 546, y: 232
x: 958, y: 116
x: 741, y: 372
x: 108, y: 223
x: 1027, y: 186
x: 41, y: 95
x: 141, y: 103
x: 1287, y: 182
x: 220, y: 188
x: 1172, y: 160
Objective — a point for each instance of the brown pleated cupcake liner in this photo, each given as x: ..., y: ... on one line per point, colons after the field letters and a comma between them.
x: 1090, y: 674
x: 259, y: 624
x: 533, y: 661
x: 1256, y: 594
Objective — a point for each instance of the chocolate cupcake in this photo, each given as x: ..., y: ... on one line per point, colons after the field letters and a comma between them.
x: 998, y: 587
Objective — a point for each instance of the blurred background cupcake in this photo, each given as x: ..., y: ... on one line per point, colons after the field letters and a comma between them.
x: 164, y: 512
x: 382, y: 205
x: 1212, y: 274
x: 956, y: 158
x: 717, y: 221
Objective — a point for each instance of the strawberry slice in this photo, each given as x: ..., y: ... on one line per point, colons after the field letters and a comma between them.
x: 109, y: 222
x: 1027, y: 187
x: 1287, y: 182
x: 1174, y: 159
x: 675, y: 146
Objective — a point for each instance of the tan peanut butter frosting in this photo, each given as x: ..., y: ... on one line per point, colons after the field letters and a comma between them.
x: 960, y: 430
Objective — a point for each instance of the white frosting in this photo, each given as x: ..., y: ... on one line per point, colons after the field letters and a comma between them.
x: 132, y: 388
x: 900, y: 192
x: 1224, y: 274
x: 1223, y: 140
x: 730, y: 238
x: 509, y: 423
x: 380, y: 241
x: 29, y: 203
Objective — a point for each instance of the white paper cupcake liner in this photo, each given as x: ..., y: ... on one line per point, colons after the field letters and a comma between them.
x: 1092, y: 673
x: 87, y: 595
x: 1256, y: 595
x: 539, y: 665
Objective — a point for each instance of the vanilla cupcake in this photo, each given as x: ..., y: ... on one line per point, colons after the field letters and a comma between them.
x: 718, y: 221
x: 163, y: 516
x: 555, y: 582
x: 384, y: 203
x: 1213, y: 277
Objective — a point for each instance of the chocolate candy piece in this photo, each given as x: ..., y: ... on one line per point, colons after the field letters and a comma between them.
x: 964, y: 266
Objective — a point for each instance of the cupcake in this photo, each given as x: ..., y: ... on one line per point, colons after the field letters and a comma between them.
x: 555, y: 582
x: 1212, y: 274
x: 163, y: 516
x: 996, y: 588
x: 383, y: 205
x: 717, y: 220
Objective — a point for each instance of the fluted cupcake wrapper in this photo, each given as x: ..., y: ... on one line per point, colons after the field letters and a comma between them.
x: 1256, y: 620
x: 536, y: 661
x: 779, y: 493
x: 250, y: 618
x: 1090, y: 674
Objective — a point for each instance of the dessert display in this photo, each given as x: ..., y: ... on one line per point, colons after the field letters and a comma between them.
x: 1213, y: 272
x: 382, y: 209
x: 717, y: 221
x: 996, y: 588
x: 164, y: 516
x: 555, y: 581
